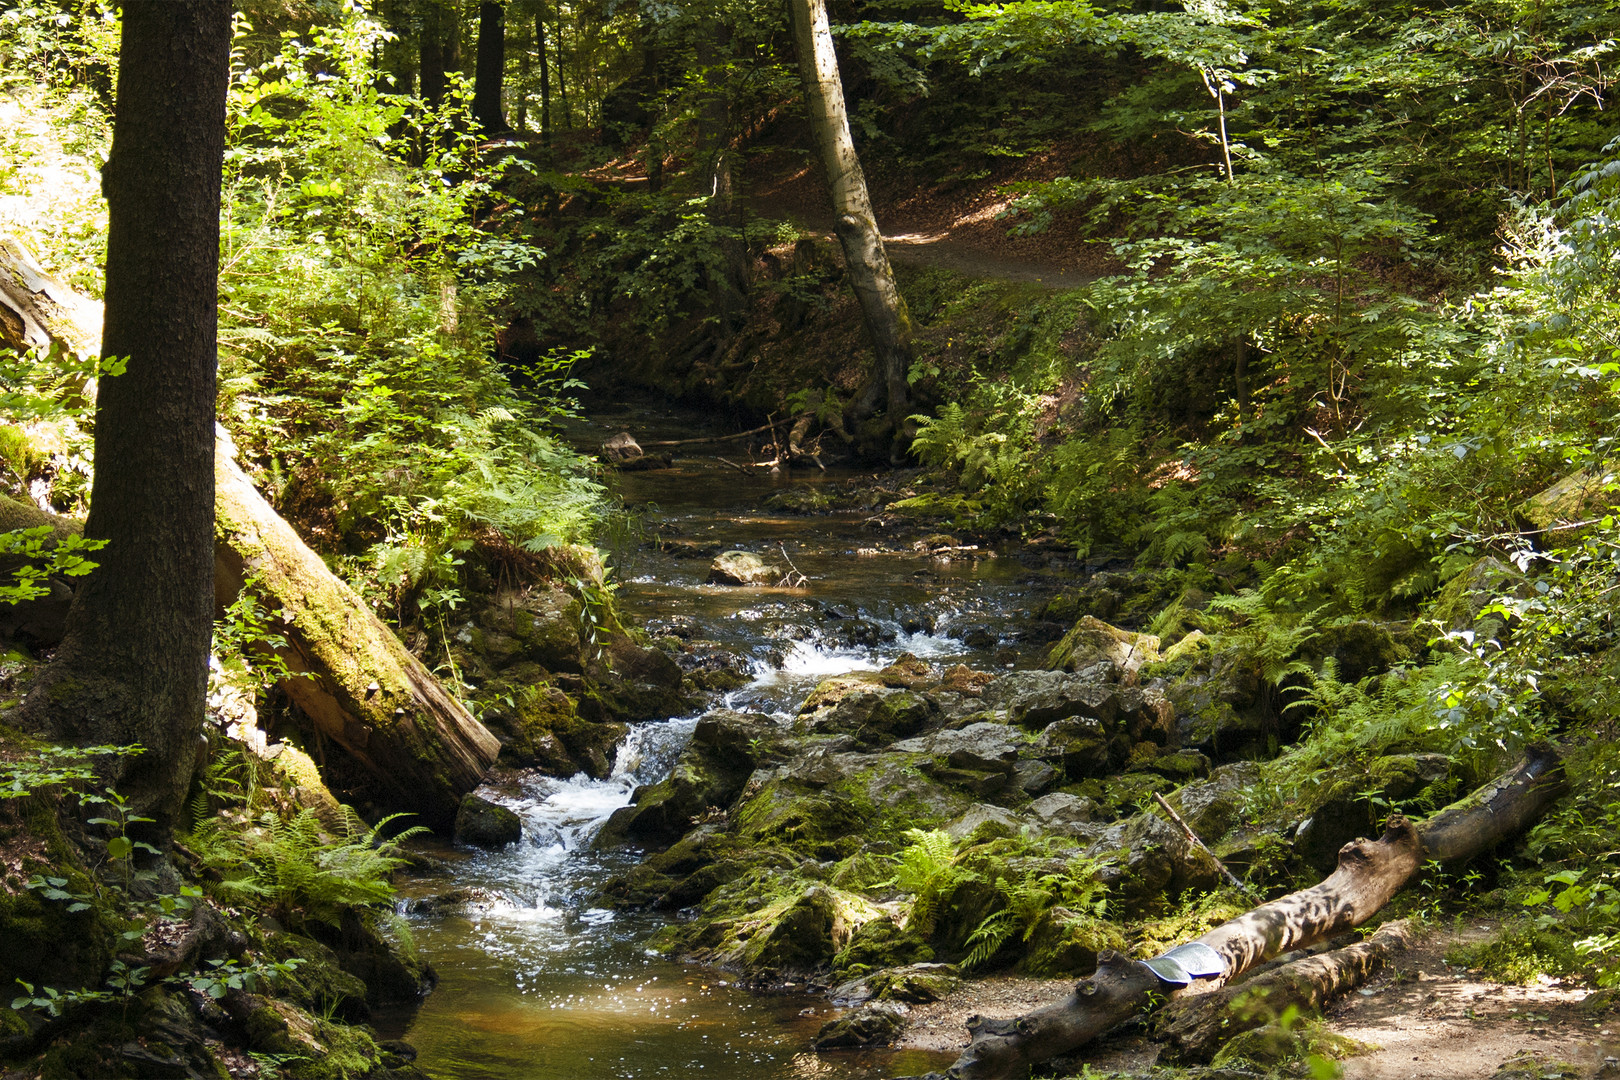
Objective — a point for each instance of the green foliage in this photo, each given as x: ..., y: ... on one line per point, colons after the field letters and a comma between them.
x: 927, y: 869
x: 297, y: 869
x: 1029, y: 894
x: 357, y: 328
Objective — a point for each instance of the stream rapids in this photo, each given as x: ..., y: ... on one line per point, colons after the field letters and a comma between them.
x: 536, y: 983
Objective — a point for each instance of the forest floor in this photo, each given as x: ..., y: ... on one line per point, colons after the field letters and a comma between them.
x: 1421, y: 1019
x: 958, y: 229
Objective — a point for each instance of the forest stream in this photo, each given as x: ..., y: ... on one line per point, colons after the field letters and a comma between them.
x: 537, y: 983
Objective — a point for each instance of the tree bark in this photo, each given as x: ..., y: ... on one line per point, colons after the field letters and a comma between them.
x: 133, y: 665
x: 1198, y: 1025
x: 545, y: 75
x: 369, y: 694
x: 430, y: 54
x: 1368, y: 874
x: 489, y: 72
x: 728, y: 281
x: 884, y: 310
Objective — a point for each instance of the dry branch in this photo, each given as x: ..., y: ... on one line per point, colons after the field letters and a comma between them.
x: 1368, y: 874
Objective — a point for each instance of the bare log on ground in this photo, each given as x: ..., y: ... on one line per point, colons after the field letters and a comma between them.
x: 36, y: 309
x: 1197, y: 1025
x: 369, y: 694
x: 1368, y: 874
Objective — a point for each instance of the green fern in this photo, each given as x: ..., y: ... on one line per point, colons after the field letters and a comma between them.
x: 928, y: 868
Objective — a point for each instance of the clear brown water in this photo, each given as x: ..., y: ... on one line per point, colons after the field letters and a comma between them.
x: 535, y: 984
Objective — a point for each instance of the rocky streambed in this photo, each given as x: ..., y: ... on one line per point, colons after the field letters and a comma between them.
x: 807, y: 803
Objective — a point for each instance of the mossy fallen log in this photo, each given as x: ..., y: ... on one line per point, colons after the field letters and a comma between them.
x: 1196, y: 1025
x: 368, y: 694
x: 1368, y: 874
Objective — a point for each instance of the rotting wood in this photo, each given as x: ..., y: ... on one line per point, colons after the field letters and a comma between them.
x: 36, y: 309
x: 369, y: 694
x: 1368, y: 874
x: 1197, y: 1025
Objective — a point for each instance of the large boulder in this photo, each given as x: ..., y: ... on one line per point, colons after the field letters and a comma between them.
x: 982, y: 822
x: 633, y: 682
x: 873, y: 1024
x: 874, y: 715
x: 982, y: 746
x: 1079, y: 746
x: 1069, y: 815
x: 1211, y: 808
x: 1092, y: 642
x: 879, y: 944
x: 1148, y: 858
x: 1355, y: 802
x: 1034, y: 699
x: 743, y: 568
x: 484, y: 824
x: 541, y: 625
x: 725, y: 749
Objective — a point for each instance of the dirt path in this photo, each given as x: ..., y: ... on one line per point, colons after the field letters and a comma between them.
x: 1422, y: 1019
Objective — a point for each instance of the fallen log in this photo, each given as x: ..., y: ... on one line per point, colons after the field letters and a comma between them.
x: 1197, y: 1025
x: 369, y: 694
x: 1368, y: 874
x: 36, y: 309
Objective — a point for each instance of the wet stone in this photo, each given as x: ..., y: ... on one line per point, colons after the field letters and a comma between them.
x: 484, y: 824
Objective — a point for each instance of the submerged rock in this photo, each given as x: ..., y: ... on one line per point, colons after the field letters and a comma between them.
x: 743, y: 568
x: 872, y: 1024
x: 484, y: 824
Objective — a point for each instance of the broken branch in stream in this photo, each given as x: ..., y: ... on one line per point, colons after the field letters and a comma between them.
x: 1369, y: 873
x: 772, y: 426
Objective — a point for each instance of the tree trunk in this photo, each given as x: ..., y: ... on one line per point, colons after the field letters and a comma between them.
x: 1198, y: 1025
x: 545, y: 76
x: 884, y: 310
x: 728, y: 282
x: 562, y: 81
x: 430, y: 54
x: 524, y: 48
x: 369, y: 695
x: 489, y: 72
x: 133, y: 665
x: 1368, y: 874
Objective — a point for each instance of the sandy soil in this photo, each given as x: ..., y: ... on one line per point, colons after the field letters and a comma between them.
x: 1421, y: 1018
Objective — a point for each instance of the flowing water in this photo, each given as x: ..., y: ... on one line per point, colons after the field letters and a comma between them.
x: 537, y: 983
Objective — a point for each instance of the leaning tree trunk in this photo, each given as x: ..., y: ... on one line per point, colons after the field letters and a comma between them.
x: 133, y: 664
x: 1368, y: 874
x: 882, y: 306
x: 355, y: 681
x: 489, y: 71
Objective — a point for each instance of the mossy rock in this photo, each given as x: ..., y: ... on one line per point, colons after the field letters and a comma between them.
x: 376, y: 947
x: 485, y: 824
x: 872, y: 1024
x: 1460, y: 600
x: 812, y: 822
x: 542, y: 625
x: 878, y: 944
x: 915, y: 984
x: 799, y: 500
x: 318, y: 984
x: 1365, y: 647
x: 1091, y: 641
x: 1064, y: 943
x: 1587, y: 493
x: 43, y: 942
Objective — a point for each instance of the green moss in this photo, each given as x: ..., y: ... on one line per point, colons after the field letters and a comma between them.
x: 1520, y: 951
x: 816, y: 823
x: 879, y: 944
